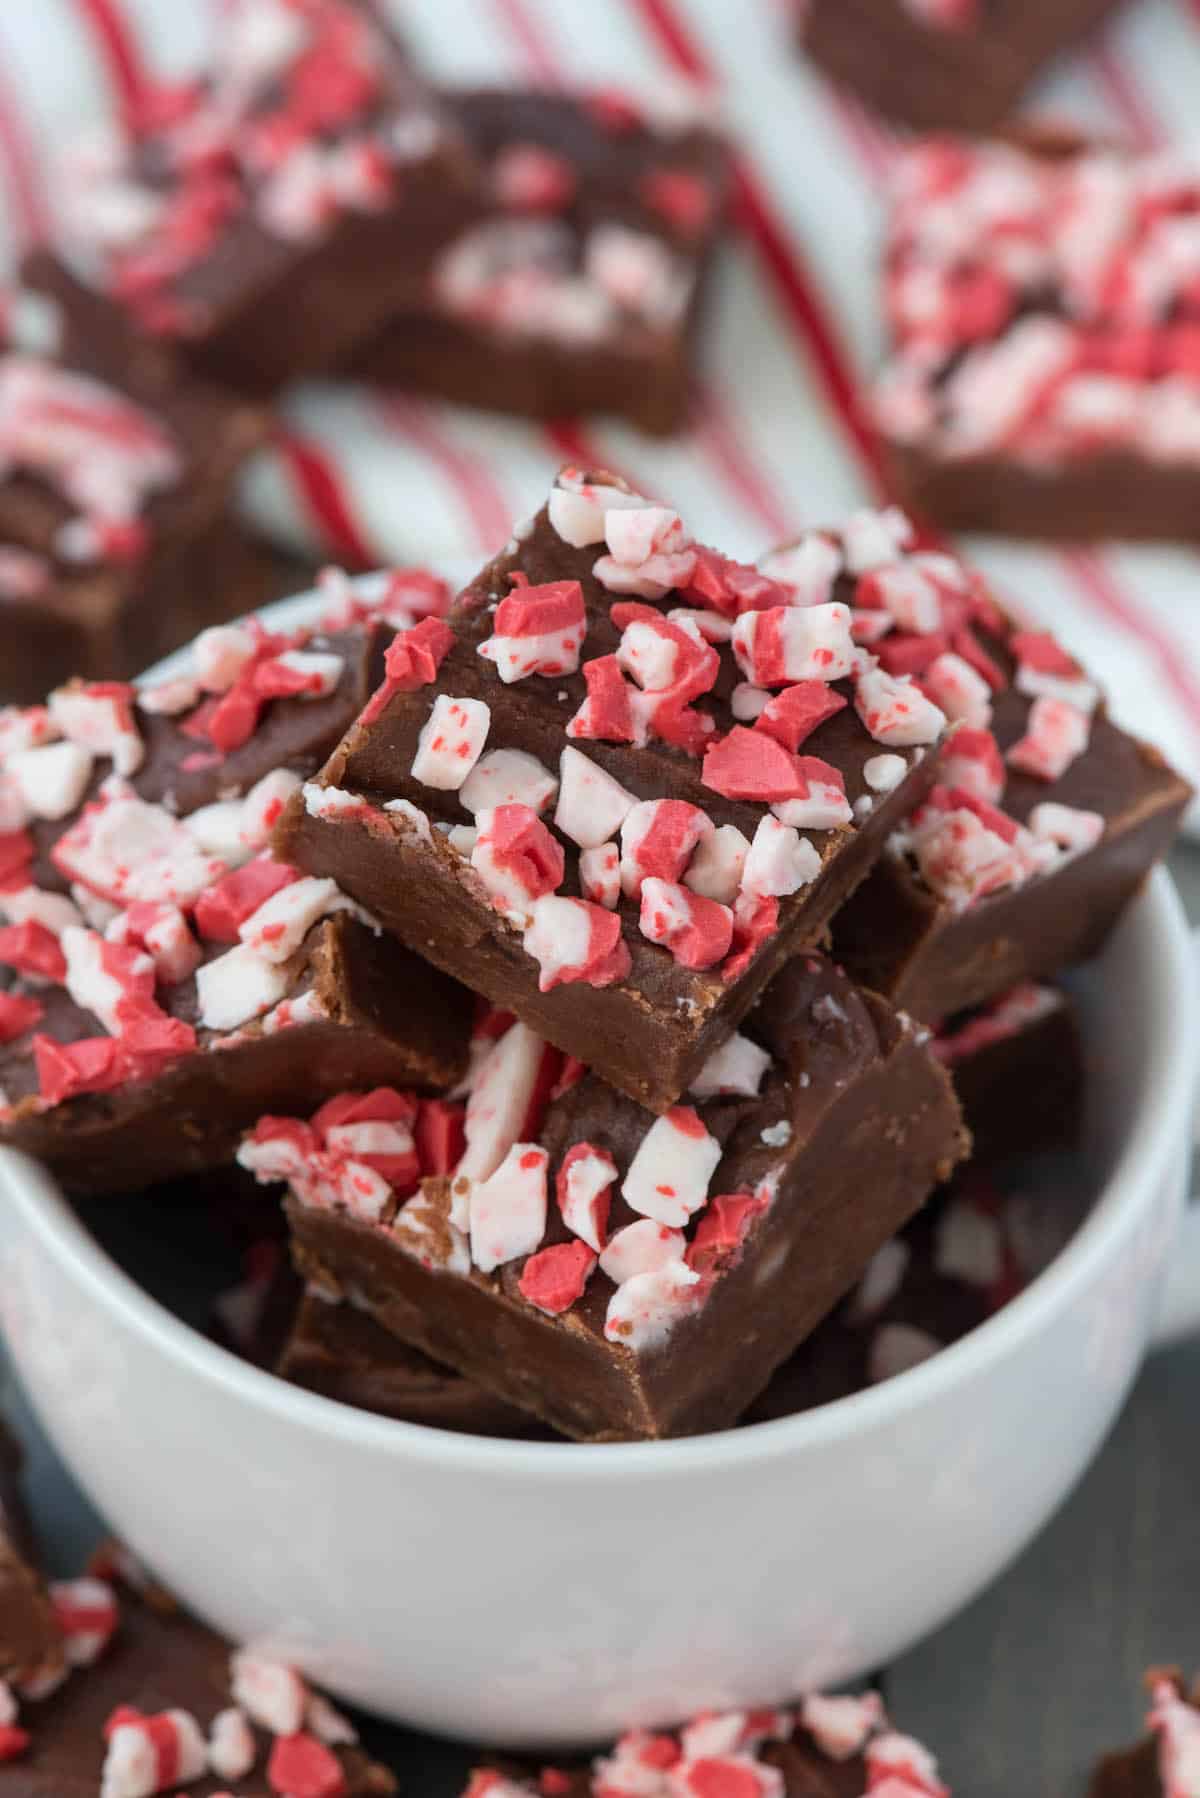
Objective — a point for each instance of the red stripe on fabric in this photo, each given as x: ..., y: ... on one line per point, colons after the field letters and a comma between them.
x: 490, y: 514
x: 21, y: 176
x: 320, y: 488
x: 1097, y: 582
x: 781, y: 257
x: 535, y: 47
x: 718, y: 435
x: 1133, y: 108
x: 121, y: 52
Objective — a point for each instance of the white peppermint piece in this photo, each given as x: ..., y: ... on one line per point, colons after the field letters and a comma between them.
x: 462, y: 838
x: 559, y: 936
x: 99, y: 723
x: 52, y: 780
x: 737, y: 1067
x: 499, y: 1101
x: 587, y: 1178
x: 373, y: 1136
x: 669, y: 1175
x: 748, y: 702
x: 911, y: 599
x: 220, y: 654
x: 883, y: 773
x: 1068, y: 827
x: 91, y: 985
x: 508, y: 777
x: 841, y: 1726
x: 508, y: 1209
x: 882, y: 1279
x: 169, y: 698
x: 872, y: 539
x: 714, y: 627
x: 34, y: 905
x: 824, y: 807
x: 717, y: 864
x: 327, y: 1723
x: 238, y: 986
x: 780, y: 647
x: 125, y: 850
x: 645, y: 1309
x: 643, y: 1247
x: 218, y: 830
x: 269, y: 1691
x: 969, y: 1245
x: 331, y: 803
x: 780, y: 861
x: 451, y: 742
x: 959, y: 690
x: 281, y: 923
x: 897, y: 1347
x: 636, y: 533
x: 263, y: 806
x: 895, y: 711
x: 1078, y: 691
x: 716, y: 1733
x: 809, y: 567
x: 423, y: 1231
x: 592, y: 806
x: 578, y: 512
x: 320, y: 670
x: 412, y: 815
x: 648, y: 655
x: 600, y: 875
x: 232, y: 1750
x: 131, y: 1761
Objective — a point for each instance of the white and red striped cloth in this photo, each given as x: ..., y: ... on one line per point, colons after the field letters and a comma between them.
x: 781, y: 442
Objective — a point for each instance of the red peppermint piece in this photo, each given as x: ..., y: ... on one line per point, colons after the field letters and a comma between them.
x: 571, y: 939
x: 755, y: 921
x: 16, y: 852
x: 697, y: 931
x: 747, y: 764
x: 17, y: 1015
x: 959, y: 799
x: 555, y: 1278
x: 683, y: 199
x: 439, y: 1136
x: 150, y: 1040
x: 222, y: 909
x: 696, y: 664
x: 906, y: 653
x: 228, y: 721
x: 583, y: 1188
x: 721, y: 1231
x: 302, y: 1767
x: 731, y: 588
x: 972, y: 759
x: 520, y: 845
x: 91, y: 1065
x: 539, y: 611
x: 383, y: 1105
x: 722, y: 1777
x: 792, y: 715
x: 606, y: 714
x: 14, y: 1742
x: 1041, y: 650
x: 553, y: 1782
x: 964, y: 643
x: 119, y: 1717
x: 413, y: 659
x: 32, y: 949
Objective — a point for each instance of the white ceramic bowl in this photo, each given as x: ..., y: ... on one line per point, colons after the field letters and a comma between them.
x: 546, y: 1594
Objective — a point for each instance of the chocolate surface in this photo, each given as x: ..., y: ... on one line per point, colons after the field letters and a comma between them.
x: 30, y: 1639
x: 849, y: 1081
x: 935, y: 77
x: 160, y: 1659
x: 1018, y: 1071
x: 648, y: 1033
x: 603, y: 172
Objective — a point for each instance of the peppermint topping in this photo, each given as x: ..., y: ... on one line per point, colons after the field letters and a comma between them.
x: 451, y: 742
x: 508, y: 777
x: 508, y: 1209
x: 644, y: 1310
x: 538, y: 630
x: 583, y: 1189
x: 571, y: 939
x: 737, y: 1067
x: 669, y: 1175
x: 644, y: 1247
x: 146, y: 1755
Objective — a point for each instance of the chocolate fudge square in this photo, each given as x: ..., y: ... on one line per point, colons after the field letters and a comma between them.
x: 580, y: 288
x: 944, y: 65
x: 166, y: 978
x: 626, y: 779
x: 1043, y: 303
x: 155, y: 1701
x: 685, y: 1255
x: 1155, y: 1767
x: 31, y: 1642
x: 116, y: 543
x: 267, y: 216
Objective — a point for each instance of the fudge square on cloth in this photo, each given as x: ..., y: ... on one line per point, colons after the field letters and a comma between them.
x: 616, y: 1274
x: 270, y: 214
x: 626, y: 779
x: 1043, y: 302
x: 115, y: 482
x: 944, y: 65
x: 163, y: 978
x: 149, y: 1700
x: 1160, y: 1765
x: 580, y: 289
x: 1045, y: 819
x: 824, y: 1747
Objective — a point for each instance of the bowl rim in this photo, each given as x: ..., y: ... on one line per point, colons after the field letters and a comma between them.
x: 1159, y: 1128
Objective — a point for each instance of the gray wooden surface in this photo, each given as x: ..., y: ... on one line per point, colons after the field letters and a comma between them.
x: 1023, y: 1689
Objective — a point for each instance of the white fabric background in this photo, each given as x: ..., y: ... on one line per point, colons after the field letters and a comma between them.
x: 369, y: 476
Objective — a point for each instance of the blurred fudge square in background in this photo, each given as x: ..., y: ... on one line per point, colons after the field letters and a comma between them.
x: 953, y: 65
x: 580, y: 289
x: 1043, y: 301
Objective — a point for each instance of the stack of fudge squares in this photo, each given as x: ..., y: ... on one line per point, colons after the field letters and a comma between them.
x: 308, y: 205
x: 592, y: 958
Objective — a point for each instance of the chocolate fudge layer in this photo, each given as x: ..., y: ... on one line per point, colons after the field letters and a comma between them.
x: 268, y: 216
x: 1017, y: 1067
x: 31, y: 1644
x: 580, y: 288
x: 159, y: 961
x: 115, y: 544
x: 1158, y: 1766
x: 687, y: 1255
x: 1045, y: 369
x: 344, y: 1354
x: 581, y: 794
x: 158, y: 1702
x: 952, y: 65
x: 826, y: 1747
